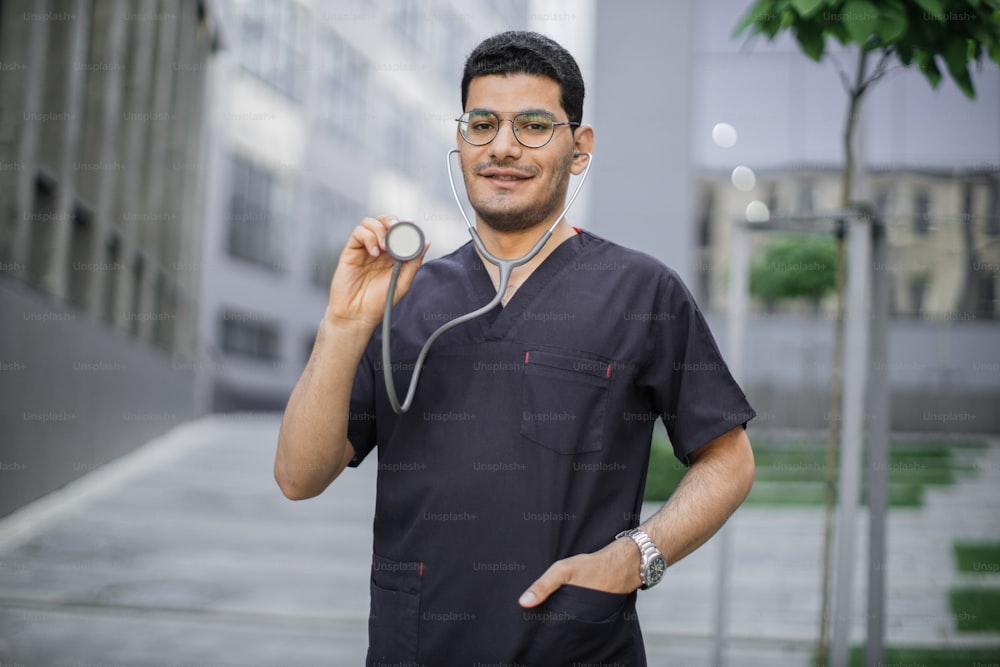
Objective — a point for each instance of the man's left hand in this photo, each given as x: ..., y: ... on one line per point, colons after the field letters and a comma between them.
x: 613, y: 569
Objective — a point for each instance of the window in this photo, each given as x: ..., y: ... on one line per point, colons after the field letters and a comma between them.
x: 772, y: 198
x: 248, y: 335
x: 918, y: 294
x: 922, y: 213
x: 984, y: 306
x: 333, y: 218
x: 993, y: 212
x: 883, y: 202
x: 805, y: 201
x: 81, y: 273
x: 135, y: 315
x: 42, y: 225
x: 271, y: 44
x: 257, y: 205
x: 112, y: 257
x: 343, y: 86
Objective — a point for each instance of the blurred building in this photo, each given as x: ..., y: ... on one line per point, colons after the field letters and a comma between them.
x: 100, y: 105
x: 943, y: 229
x: 325, y: 113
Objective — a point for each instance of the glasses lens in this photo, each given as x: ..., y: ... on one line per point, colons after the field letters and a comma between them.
x: 533, y: 129
x: 478, y: 127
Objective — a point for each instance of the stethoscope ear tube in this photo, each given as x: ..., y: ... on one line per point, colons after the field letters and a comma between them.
x: 418, y: 366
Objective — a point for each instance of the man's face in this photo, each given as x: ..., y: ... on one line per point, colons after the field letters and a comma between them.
x: 513, y: 187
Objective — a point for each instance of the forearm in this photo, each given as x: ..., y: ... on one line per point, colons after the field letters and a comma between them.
x: 312, y: 445
x: 716, y: 484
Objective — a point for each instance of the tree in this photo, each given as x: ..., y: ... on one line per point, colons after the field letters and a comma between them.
x: 930, y: 35
x: 796, y: 266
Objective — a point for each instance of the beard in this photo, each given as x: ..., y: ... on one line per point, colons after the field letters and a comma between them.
x: 502, y: 215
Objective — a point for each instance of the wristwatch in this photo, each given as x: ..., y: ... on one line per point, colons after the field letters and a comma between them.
x: 653, y: 565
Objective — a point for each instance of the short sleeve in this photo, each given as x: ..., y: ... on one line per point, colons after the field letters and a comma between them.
x: 361, y: 419
x: 693, y: 391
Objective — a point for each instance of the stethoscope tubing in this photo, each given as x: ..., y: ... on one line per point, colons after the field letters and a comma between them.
x: 506, y: 267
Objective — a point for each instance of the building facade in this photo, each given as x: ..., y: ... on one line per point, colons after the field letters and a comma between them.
x: 943, y: 232
x: 100, y: 101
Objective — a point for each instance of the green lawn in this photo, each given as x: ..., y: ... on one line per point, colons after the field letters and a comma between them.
x: 927, y: 657
x: 792, y: 473
x: 976, y: 609
x: 982, y: 557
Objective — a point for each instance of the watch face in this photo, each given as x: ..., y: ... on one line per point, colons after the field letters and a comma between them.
x: 657, y: 567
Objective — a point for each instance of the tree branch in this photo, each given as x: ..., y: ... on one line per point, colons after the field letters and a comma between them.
x: 880, y: 70
x: 841, y: 72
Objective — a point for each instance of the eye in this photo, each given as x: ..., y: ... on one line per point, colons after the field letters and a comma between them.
x: 534, y: 123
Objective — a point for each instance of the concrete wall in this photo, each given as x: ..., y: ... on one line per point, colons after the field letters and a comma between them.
x: 75, y: 393
x: 944, y: 376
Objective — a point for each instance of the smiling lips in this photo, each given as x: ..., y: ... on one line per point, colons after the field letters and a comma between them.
x: 504, y: 178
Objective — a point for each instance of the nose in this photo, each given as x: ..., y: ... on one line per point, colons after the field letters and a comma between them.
x: 505, y: 144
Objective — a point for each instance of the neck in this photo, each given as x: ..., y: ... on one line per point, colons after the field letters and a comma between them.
x: 511, y: 245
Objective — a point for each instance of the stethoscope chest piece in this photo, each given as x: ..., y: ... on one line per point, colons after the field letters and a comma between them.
x: 404, y: 241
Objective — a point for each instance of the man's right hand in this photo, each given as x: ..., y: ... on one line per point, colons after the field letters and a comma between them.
x: 361, y: 281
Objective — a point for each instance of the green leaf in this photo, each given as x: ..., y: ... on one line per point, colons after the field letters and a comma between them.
x: 956, y: 55
x: 810, y: 38
x: 928, y: 67
x: 932, y: 7
x: 806, y: 8
x: 861, y: 18
x: 995, y: 53
x: 892, y: 25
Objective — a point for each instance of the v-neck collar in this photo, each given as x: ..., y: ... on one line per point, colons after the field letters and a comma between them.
x: 496, y: 323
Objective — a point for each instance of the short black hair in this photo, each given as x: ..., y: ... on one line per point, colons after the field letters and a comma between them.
x: 525, y: 52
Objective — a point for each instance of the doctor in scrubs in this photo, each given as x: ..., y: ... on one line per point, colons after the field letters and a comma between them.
x: 506, y: 527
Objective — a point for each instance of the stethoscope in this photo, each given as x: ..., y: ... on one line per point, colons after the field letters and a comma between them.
x: 405, y: 241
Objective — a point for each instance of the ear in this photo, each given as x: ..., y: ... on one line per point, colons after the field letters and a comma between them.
x: 584, y: 143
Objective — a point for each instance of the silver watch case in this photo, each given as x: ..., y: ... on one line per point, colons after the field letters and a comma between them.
x: 652, y: 565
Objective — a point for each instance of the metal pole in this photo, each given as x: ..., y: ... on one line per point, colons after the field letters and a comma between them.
x: 736, y: 313
x: 852, y: 431
x: 878, y: 448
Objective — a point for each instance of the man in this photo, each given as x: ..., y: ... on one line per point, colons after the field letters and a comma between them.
x: 503, y: 488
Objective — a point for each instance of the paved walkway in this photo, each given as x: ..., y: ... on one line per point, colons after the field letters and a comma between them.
x: 184, y: 553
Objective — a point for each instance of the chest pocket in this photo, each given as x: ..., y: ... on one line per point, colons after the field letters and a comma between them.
x: 564, y: 400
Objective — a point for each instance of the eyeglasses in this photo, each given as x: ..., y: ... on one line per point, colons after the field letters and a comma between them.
x: 531, y: 129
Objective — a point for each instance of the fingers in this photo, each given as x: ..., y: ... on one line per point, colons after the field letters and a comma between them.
x: 546, y: 585
x: 370, y: 234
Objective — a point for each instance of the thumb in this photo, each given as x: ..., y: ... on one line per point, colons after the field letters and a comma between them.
x: 543, y: 587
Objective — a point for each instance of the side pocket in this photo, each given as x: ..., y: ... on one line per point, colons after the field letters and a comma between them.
x: 563, y: 402
x: 583, y: 626
x: 395, y: 612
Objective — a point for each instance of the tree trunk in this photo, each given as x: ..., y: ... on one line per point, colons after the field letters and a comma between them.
x: 836, y: 399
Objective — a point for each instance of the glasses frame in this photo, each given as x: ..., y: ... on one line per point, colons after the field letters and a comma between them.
x: 464, y: 118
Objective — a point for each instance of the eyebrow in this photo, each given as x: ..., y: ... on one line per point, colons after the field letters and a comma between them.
x: 541, y: 112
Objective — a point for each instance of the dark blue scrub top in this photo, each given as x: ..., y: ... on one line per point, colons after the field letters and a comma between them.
x: 527, y: 442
